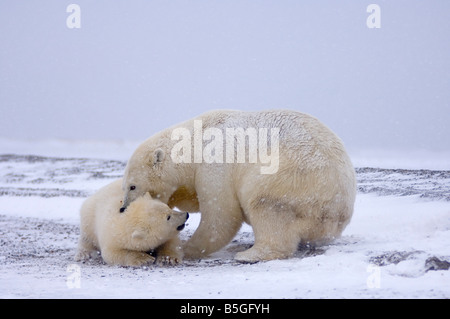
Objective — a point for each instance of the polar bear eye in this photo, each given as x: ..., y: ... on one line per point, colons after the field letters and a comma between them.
x: 168, y: 217
x: 132, y: 188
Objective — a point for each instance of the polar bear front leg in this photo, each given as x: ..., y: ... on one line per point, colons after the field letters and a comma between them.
x: 275, y: 238
x: 218, y: 225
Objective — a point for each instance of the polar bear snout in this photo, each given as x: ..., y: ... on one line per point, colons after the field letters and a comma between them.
x: 181, y: 227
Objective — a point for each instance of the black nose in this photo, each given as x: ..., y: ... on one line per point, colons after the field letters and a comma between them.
x: 181, y: 227
x: 122, y: 209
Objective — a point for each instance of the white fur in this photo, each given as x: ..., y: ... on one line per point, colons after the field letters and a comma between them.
x: 125, y: 238
x: 309, y: 199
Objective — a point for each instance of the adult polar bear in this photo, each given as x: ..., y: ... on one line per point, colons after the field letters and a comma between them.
x: 308, y: 198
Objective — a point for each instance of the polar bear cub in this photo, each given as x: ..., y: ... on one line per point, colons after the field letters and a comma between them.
x: 125, y: 238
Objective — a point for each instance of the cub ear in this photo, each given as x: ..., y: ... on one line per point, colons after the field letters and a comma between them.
x: 147, y: 196
x: 158, y: 156
x: 138, y: 234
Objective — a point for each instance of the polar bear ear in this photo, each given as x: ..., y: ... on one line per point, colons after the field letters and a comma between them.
x: 137, y: 234
x: 158, y: 156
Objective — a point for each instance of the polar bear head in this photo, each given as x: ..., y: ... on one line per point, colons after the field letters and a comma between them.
x: 147, y: 224
x: 149, y: 170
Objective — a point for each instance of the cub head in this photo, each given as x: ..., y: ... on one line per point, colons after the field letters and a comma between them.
x: 148, y: 223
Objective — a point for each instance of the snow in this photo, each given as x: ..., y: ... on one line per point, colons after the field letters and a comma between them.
x: 383, y: 252
x: 404, y: 159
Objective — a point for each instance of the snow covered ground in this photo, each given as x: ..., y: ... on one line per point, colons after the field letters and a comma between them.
x: 396, y: 245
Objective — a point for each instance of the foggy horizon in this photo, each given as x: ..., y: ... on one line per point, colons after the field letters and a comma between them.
x: 133, y: 68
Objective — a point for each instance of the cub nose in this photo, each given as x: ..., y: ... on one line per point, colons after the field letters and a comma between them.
x: 181, y: 227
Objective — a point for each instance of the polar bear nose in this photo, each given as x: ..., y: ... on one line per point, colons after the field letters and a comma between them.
x: 181, y: 227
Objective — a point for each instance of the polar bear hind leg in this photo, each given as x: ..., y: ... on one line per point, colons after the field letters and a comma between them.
x: 85, y: 250
x: 281, y: 225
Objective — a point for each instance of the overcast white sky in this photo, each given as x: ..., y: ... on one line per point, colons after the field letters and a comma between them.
x: 136, y: 67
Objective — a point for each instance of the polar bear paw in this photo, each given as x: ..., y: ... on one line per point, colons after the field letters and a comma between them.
x: 83, y: 255
x: 256, y: 254
x: 168, y: 260
x: 137, y: 259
